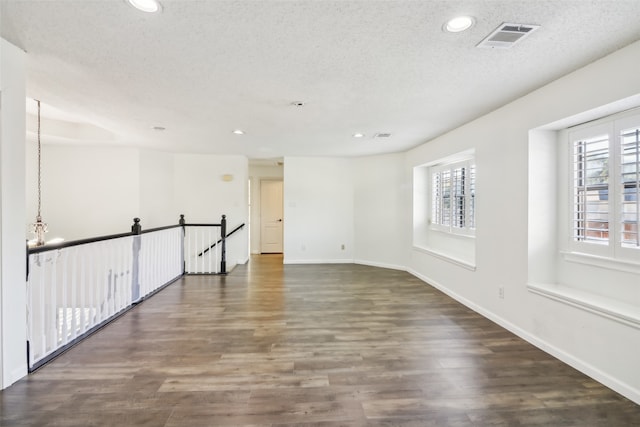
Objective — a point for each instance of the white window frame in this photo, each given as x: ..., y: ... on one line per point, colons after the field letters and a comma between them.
x: 459, y: 221
x: 612, y: 246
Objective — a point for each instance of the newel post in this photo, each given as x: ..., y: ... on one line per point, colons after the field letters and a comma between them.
x: 136, y: 230
x: 223, y: 237
x: 183, y: 223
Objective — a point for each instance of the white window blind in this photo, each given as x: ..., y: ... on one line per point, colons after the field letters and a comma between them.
x: 606, y: 187
x: 591, y: 189
x: 471, y: 216
x: 453, y: 197
x: 630, y: 183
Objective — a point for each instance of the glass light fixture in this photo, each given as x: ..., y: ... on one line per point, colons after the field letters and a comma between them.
x: 39, y: 227
x: 459, y: 24
x: 358, y: 135
x: 150, y: 6
x: 238, y: 132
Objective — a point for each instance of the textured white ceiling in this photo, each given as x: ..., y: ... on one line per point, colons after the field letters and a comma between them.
x: 204, y: 68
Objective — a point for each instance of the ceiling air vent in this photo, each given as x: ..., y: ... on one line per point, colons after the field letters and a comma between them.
x: 382, y: 135
x: 507, y: 35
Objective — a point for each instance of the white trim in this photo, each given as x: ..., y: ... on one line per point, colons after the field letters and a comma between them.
x: 469, y: 233
x: 380, y: 264
x: 601, y: 261
x: 445, y: 257
x: 613, y: 383
x: 317, y: 261
x: 462, y: 156
x: 624, y: 313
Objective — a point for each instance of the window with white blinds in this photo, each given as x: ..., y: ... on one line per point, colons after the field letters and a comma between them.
x: 591, y: 189
x: 630, y: 185
x: 605, y: 203
x: 453, y: 197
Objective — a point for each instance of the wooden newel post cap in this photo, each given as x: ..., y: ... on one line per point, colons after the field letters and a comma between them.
x: 182, y: 221
x: 136, y: 228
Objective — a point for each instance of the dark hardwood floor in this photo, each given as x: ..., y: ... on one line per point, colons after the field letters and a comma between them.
x: 315, y: 345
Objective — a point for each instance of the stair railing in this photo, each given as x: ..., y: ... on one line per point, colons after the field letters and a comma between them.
x: 76, y: 287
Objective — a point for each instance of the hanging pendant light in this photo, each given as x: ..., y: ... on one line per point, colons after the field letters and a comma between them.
x: 39, y: 227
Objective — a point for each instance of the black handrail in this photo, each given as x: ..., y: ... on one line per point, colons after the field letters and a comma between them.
x: 166, y: 227
x: 220, y: 240
x: 136, y: 230
x: 70, y: 243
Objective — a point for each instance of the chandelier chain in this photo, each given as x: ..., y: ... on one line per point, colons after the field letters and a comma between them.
x: 39, y: 167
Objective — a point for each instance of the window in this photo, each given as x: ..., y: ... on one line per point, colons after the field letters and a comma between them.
x: 606, y: 186
x: 453, y: 197
x: 630, y: 197
x: 591, y: 190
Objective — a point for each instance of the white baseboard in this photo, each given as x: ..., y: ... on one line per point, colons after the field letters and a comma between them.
x: 317, y: 261
x: 380, y: 264
x: 613, y: 383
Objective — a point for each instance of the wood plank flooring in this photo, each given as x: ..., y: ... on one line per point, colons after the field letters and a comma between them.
x: 316, y: 345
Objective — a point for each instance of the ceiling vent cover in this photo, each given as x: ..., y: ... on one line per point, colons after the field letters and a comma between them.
x: 382, y: 135
x: 507, y: 35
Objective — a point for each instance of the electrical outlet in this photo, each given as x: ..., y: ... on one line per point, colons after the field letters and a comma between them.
x: 501, y: 292
x: 342, y: 246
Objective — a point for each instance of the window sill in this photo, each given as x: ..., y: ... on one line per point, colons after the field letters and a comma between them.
x: 601, y: 261
x: 611, y: 309
x: 447, y: 231
x: 453, y: 260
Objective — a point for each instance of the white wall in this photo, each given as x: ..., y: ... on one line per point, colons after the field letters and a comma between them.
x: 86, y: 191
x: 599, y: 346
x: 256, y: 175
x: 156, y: 189
x: 90, y: 191
x: 542, y: 204
x: 203, y: 197
x: 13, y: 330
x: 380, y: 208
x: 318, y: 210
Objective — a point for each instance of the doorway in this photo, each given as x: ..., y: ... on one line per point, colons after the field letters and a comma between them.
x: 271, y: 216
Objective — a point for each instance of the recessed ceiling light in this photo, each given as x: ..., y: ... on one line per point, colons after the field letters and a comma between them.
x: 238, y: 132
x: 459, y: 24
x: 150, y: 6
x: 358, y: 135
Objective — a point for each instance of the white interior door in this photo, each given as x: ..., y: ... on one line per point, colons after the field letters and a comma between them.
x: 271, y: 221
